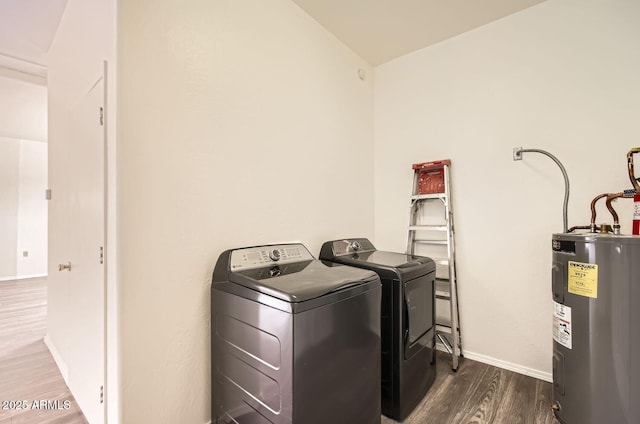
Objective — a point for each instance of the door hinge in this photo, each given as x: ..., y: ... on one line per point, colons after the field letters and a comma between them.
x: 101, y: 255
x: 47, y: 194
x: 101, y: 115
x: 101, y: 394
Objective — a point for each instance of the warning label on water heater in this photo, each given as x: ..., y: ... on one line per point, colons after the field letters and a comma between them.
x: 562, y: 324
x: 583, y: 279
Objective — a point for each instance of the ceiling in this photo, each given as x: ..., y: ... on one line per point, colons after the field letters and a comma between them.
x: 381, y: 30
x: 27, y: 28
x: 377, y: 30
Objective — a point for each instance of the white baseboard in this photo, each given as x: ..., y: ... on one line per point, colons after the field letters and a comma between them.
x: 58, y: 359
x: 22, y: 277
x: 540, y: 375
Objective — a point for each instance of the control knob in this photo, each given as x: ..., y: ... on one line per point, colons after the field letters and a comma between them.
x: 356, y: 246
x: 274, y: 255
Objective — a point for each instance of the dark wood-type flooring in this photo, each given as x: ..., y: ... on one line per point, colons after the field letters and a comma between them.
x: 28, y: 372
x: 476, y: 394
x: 482, y: 394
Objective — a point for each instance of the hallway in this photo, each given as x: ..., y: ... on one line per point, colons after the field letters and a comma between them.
x: 32, y: 390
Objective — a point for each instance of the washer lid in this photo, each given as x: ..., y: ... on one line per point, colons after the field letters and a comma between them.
x: 301, y: 281
x: 390, y: 259
x: 360, y: 252
x: 287, y: 272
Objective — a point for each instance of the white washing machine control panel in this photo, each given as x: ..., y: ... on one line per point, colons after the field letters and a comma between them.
x: 263, y: 256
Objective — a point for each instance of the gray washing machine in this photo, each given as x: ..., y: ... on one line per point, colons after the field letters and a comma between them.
x: 407, y: 320
x: 294, y: 340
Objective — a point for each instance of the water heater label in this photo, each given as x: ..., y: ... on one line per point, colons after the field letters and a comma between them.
x: 583, y: 279
x: 562, y: 324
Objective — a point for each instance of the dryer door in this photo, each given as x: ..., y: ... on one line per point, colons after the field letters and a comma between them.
x: 418, y: 314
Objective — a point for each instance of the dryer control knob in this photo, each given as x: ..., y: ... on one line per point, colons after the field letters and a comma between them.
x: 274, y: 255
x: 356, y: 246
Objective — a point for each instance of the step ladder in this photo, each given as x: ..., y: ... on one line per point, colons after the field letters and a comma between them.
x: 431, y: 234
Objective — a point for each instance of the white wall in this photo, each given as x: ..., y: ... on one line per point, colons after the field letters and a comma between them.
x: 560, y: 76
x: 84, y: 40
x: 9, y: 181
x: 32, y: 210
x: 23, y: 128
x: 23, y: 208
x: 240, y: 123
x: 24, y: 110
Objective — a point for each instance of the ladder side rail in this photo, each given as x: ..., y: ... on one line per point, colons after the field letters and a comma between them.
x: 411, y: 234
x: 413, y: 210
x: 453, y: 286
x: 453, y: 304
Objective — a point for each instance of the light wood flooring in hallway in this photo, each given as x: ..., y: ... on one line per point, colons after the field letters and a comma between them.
x: 28, y: 373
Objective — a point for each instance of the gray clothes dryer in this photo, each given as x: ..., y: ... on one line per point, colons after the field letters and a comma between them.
x: 408, y: 362
x: 293, y: 340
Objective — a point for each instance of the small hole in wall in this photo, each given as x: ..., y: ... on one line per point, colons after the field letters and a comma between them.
x: 362, y: 74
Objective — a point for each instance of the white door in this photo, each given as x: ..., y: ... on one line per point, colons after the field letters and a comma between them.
x: 87, y: 244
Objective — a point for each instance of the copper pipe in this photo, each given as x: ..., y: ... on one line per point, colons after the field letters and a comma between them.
x: 616, y: 221
x: 593, y: 211
x: 610, y: 198
x: 632, y: 176
x: 579, y: 227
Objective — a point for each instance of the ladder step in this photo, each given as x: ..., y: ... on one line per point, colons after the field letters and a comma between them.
x: 443, y: 329
x: 429, y: 196
x: 441, y: 242
x: 438, y: 227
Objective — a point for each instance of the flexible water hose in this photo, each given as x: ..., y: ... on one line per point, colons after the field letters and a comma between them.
x: 565, y: 218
